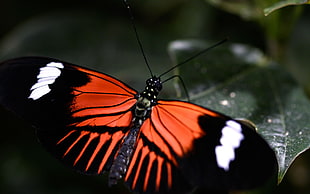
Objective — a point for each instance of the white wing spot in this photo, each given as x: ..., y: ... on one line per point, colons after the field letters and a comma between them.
x: 47, y: 75
x: 230, y: 140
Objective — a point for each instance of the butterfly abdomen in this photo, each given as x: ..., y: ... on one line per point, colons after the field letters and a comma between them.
x: 120, y: 164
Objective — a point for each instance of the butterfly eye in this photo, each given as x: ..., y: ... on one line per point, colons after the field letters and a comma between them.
x: 158, y: 86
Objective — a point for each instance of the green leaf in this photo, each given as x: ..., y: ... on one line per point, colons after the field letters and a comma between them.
x: 281, y: 4
x: 239, y: 81
x: 248, y: 10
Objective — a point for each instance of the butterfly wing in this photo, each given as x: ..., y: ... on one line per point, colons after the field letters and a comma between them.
x: 80, y: 115
x: 184, y: 143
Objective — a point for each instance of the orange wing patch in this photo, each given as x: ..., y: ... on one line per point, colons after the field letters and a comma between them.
x: 145, y: 159
x: 166, y: 135
x: 100, y: 117
x: 103, y: 101
x: 177, y: 123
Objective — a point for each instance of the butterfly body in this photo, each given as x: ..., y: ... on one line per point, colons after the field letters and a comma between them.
x: 141, y: 111
x: 95, y: 123
x: 122, y: 159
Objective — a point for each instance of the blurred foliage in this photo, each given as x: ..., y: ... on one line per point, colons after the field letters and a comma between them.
x: 98, y: 34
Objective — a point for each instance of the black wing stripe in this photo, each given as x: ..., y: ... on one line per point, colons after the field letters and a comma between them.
x: 82, y: 149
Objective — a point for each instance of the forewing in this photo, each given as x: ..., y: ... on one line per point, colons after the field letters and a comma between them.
x: 80, y: 115
x: 184, y: 143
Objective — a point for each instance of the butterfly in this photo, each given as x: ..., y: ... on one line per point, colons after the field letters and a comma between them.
x: 95, y: 123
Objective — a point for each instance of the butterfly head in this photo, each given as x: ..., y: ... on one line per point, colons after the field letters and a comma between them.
x: 154, y: 85
x: 152, y: 89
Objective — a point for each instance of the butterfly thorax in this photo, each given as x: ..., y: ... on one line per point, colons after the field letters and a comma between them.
x: 141, y: 111
x: 147, y: 98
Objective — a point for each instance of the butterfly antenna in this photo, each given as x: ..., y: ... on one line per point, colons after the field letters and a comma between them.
x: 194, y: 56
x: 132, y: 19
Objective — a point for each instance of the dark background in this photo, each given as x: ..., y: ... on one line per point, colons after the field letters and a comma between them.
x: 98, y: 34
